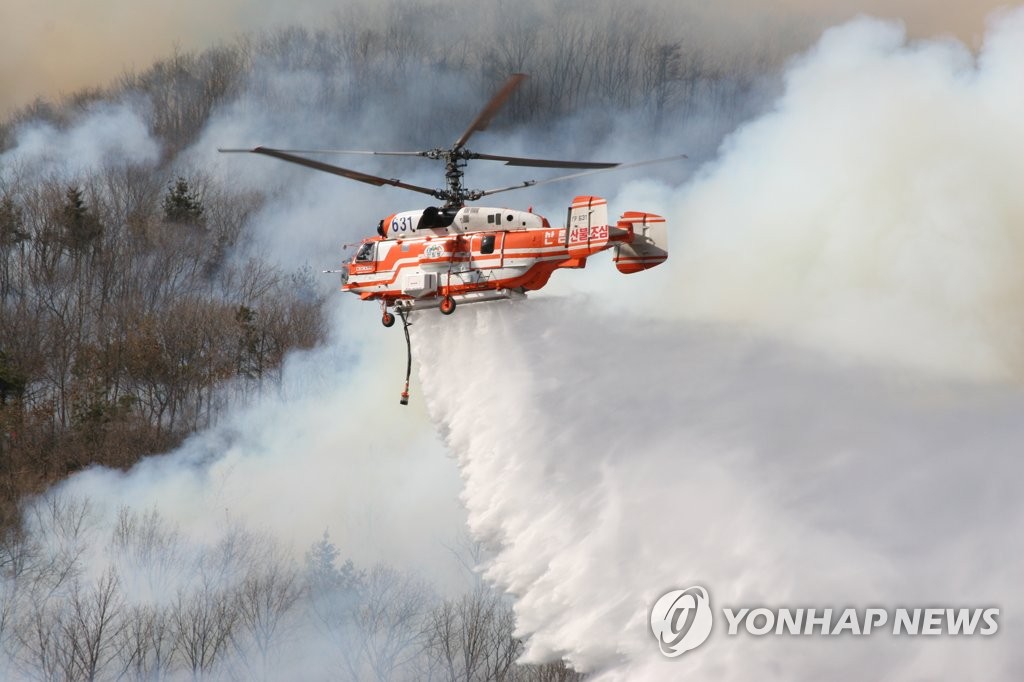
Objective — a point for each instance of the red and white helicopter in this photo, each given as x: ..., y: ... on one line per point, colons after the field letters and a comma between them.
x: 443, y: 256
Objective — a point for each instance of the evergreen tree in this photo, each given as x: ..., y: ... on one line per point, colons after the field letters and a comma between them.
x: 81, y: 226
x: 12, y: 380
x: 182, y: 205
x: 323, y: 575
x: 321, y: 561
x: 12, y: 223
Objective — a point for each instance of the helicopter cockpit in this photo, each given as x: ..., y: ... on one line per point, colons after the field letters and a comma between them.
x: 365, y: 253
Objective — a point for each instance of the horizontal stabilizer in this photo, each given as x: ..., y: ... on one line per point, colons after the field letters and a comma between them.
x: 648, y: 247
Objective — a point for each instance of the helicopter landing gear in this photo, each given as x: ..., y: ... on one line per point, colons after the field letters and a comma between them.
x: 447, y: 306
x: 387, y: 319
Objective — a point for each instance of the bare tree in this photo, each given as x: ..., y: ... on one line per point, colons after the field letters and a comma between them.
x: 265, y: 599
x: 203, y: 621
x: 148, y: 548
x: 43, y: 652
x: 62, y: 526
x: 94, y: 625
x: 471, y: 638
x: 374, y: 620
x: 146, y: 644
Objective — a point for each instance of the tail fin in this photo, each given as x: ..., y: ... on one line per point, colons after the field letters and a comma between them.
x: 648, y: 246
x: 586, y: 230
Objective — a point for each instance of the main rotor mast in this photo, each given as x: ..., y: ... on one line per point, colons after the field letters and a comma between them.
x: 455, y: 162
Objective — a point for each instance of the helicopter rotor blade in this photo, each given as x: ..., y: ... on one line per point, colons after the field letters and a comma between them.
x: 336, y: 170
x: 334, y: 151
x: 542, y: 163
x: 509, y: 160
x: 570, y: 176
x: 483, y: 119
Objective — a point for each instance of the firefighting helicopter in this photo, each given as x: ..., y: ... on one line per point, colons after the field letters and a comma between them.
x: 452, y: 254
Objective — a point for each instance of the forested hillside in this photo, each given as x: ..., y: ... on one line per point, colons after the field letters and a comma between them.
x: 124, y: 323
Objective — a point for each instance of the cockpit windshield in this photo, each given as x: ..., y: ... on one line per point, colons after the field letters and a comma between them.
x: 365, y: 252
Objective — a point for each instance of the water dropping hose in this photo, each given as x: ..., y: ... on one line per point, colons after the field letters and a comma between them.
x: 408, y: 349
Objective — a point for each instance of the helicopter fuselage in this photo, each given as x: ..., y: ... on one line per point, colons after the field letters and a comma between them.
x: 455, y: 253
x: 475, y: 253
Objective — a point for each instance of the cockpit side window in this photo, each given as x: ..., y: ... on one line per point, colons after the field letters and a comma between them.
x: 365, y: 252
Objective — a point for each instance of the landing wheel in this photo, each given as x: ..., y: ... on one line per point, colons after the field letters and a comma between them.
x: 447, y: 305
x: 387, y: 319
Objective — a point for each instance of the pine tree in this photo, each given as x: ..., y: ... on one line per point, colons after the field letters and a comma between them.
x: 81, y: 226
x: 12, y: 381
x: 182, y: 205
x: 323, y: 574
x: 12, y: 223
x: 320, y: 563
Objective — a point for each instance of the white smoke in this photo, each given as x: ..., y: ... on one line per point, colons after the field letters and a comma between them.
x: 875, y: 210
x: 816, y: 404
x: 331, y: 450
x: 104, y: 134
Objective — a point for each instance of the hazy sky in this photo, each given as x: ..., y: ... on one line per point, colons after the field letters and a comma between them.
x: 49, y: 47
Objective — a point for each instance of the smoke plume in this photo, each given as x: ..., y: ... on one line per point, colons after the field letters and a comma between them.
x: 874, y: 209
x: 813, y: 405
